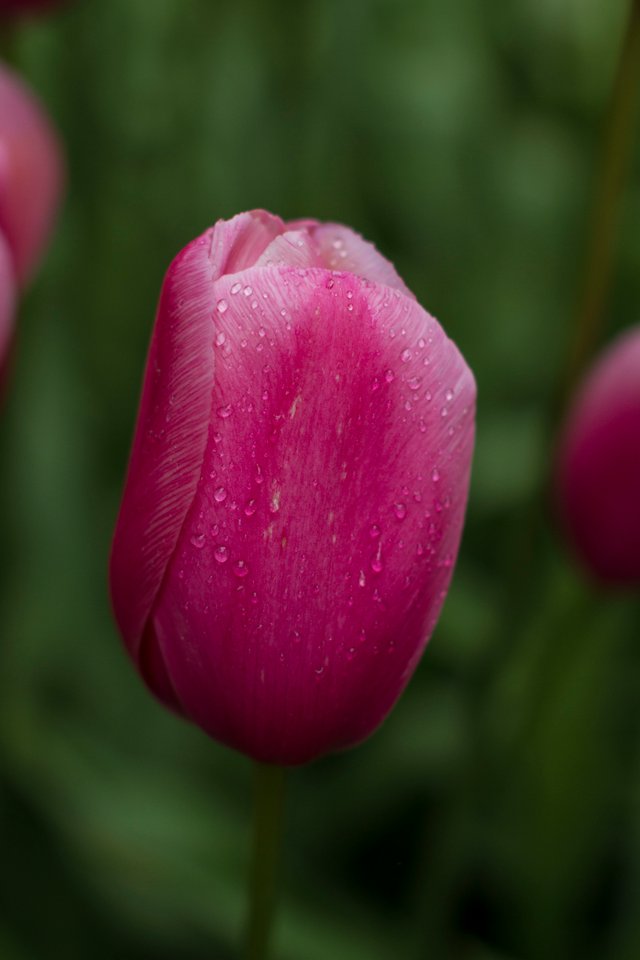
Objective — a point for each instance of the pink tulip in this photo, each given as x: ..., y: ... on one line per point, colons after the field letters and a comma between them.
x: 296, y: 490
x: 31, y: 173
x: 7, y: 304
x: 599, y: 465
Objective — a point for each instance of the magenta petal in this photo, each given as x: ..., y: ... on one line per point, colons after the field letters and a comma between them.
x: 340, y: 248
x: 599, y: 465
x: 31, y: 173
x: 7, y: 304
x: 310, y: 570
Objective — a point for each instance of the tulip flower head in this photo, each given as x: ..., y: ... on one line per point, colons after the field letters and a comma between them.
x: 598, y: 482
x: 31, y: 173
x: 296, y: 490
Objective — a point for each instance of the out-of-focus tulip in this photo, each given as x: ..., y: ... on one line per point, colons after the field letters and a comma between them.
x: 7, y: 304
x: 296, y: 490
x: 31, y: 173
x: 598, y: 481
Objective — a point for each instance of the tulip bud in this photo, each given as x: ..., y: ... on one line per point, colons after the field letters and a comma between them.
x: 296, y: 489
x: 7, y: 303
x: 31, y: 173
x: 598, y: 476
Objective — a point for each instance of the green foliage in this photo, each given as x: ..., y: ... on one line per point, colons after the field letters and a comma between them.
x: 495, y: 815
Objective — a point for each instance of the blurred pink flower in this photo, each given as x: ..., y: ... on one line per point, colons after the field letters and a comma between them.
x: 31, y: 173
x: 7, y: 304
x: 598, y: 480
x: 296, y: 490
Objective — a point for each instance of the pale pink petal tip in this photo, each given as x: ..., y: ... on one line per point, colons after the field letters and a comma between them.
x: 31, y: 173
x: 296, y: 492
x: 598, y: 476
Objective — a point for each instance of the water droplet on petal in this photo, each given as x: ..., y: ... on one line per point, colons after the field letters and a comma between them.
x: 449, y: 396
x: 374, y: 531
x: 236, y: 288
x: 221, y: 337
x: 435, y: 474
x: 406, y: 355
x: 197, y: 540
x: 248, y: 291
x: 222, y: 306
x: 400, y: 511
x: 220, y: 495
x: 240, y: 569
x: 224, y: 411
x: 250, y: 508
x: 221, y: 553
x: 389, y: 376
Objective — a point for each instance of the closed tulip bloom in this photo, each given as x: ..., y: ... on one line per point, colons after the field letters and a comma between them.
x: 296, y: 490
x: 598, y: 480
x: 31, y: 173
x: 7, y: 303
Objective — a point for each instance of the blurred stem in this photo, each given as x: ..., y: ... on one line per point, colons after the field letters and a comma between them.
x: 614, y: 165
x: 267, y: 829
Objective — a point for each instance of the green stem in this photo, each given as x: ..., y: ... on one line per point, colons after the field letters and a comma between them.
x: 614, y: 166
x: 267, y: 829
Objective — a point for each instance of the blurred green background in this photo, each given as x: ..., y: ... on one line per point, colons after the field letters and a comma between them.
x: 496, y: 815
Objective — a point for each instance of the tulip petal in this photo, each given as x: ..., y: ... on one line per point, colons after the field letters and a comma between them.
x: 31, y: 173
x: 173, y: 420
x: 7, y: 303
x: 598, y: 470
x: 340, y: 248
x: 319, y: 545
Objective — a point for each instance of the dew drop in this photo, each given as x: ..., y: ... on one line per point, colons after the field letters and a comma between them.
x: 414, y: 383
x: 444, y: 412
x: 406, y: 355
x: 422, y: 343
x: 449, y: 396
x: 236, y: 288
x: 221, y: 553
x: 220, y: 339
x: 250, y: 508
x: 240, y: 569
x: 222, y: 306
x: 374, y: 531
x: 389, y: 376
x: 197, y: 540
x: 248, y: 291
x: 262, y: 332
x: 220, y: 495
x: 362, y: 579
x: 224, y: 411
x: 435, y: 474
x: 400, y: 511
x: 376, y: 563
